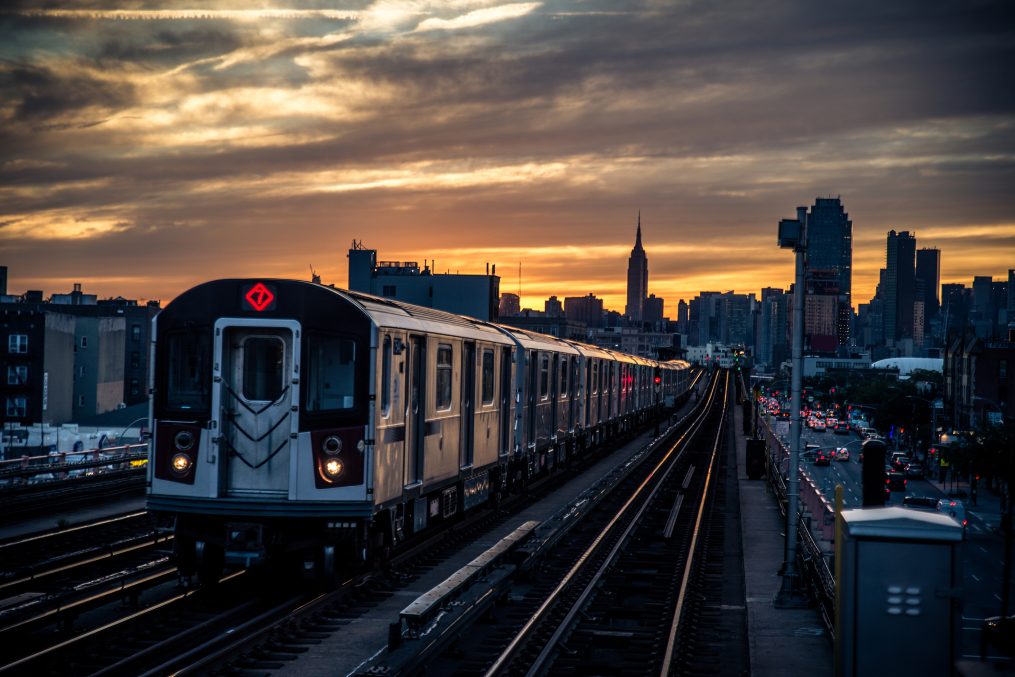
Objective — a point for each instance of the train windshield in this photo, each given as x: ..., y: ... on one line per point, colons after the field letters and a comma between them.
x: 331, y: 372
x: 188, y: 358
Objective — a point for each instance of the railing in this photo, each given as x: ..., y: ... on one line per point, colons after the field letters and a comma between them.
x: 64, y: 464
x: 814, y: 508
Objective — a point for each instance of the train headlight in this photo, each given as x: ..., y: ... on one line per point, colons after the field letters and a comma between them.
x: 181, y: 463
x: 332, y: 445
x: 183, y: 440
x: 333, y: 467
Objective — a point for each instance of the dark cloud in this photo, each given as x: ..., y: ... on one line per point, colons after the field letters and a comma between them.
x: 40, y: 94
x: 714, y: 118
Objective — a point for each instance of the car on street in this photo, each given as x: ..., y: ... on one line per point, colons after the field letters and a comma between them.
x: 810, y: 452
x: 841, y: 428
x: 895, y: 480
x: 953, y: 508
x: 914, y: 470
x: 842, y: 454
x: 822, y: 457
x: 899, y: 461
x: 819, y: 426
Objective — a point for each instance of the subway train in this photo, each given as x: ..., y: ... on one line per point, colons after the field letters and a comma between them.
x: 297, y: 421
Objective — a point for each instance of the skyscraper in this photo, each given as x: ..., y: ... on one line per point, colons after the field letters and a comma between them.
x: 829, y: 271
x: 928, y: 282
x: 900, y: 285
x: 637, y: 279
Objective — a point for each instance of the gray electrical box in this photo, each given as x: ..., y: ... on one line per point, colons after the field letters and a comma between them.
x: 897, y: 593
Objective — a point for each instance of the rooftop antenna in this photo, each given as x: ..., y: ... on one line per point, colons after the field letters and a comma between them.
x: 314, y: 277
x: 519, y: 281
x: 357, y: 244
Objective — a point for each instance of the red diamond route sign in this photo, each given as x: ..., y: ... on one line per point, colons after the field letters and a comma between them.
x: 260, y: 297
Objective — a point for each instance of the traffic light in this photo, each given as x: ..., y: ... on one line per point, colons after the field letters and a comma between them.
x: 873, y: 473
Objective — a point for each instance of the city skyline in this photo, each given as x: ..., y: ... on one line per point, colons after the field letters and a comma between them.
x: 149, y: 148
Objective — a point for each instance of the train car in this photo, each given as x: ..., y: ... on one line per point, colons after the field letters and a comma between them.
x: 298, y: 422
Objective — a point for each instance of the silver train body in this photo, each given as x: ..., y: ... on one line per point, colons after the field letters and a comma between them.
x: 292, y: 419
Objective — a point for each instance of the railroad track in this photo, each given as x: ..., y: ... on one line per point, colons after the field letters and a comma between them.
x: 532, y: 612
x: 241, y: 627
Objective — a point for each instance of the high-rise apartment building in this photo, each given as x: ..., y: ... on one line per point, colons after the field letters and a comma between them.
x: 586, y: 309
x: 637, y: 279
x: 553, y: 307
x: 828, y: 273
x: 900, y: 286
x: 652, y: 309
x: 928, y: 276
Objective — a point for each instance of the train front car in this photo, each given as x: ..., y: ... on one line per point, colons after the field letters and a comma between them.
x: 260, y: 413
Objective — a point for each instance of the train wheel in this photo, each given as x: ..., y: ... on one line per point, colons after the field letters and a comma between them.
x: 184, y: 556
x: 210, y: 564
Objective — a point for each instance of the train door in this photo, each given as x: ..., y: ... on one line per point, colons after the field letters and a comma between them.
x: 468, y: 403
x: 533, y: 381
x: 505, y: 401
x: 554, y: 399
x: 415, y: 414
x: 255, y: 396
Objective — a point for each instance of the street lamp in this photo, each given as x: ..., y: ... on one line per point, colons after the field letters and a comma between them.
x: 793, y: 235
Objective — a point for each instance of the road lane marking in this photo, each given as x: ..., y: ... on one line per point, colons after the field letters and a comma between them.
x: 975, y: 577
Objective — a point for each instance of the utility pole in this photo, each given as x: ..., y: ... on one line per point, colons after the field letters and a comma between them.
x: 793, y: 235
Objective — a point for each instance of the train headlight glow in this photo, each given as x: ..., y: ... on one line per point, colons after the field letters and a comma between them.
x: 181, y: 463
x: 332, y: 445
x: 333, y: 467
x: 183, y: 440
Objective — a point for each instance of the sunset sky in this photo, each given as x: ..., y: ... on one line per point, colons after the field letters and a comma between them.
x: 149, y: 146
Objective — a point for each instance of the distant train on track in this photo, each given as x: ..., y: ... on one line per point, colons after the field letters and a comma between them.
x: 298, y: 421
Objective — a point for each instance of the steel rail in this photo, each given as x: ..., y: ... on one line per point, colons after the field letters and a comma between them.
x: 148, y: 543
x: 689, y: 564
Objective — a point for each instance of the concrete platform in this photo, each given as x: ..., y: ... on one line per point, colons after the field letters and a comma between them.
x: 782, y: 642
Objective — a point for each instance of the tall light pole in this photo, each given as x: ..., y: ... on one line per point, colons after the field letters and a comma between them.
x: 793, y: 235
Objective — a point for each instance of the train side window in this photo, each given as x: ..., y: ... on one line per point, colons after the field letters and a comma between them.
x: 563, y: 378
x: 443, y: 395
x: 331, y: 373
x: 544, y: 375
x: 188, y: 360
x: 386, y: 378
x: 487, y: 377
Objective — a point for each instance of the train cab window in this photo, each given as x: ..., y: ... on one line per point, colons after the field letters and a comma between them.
x: 263, y: 368
x: 443, y: 395
x: 386, y: 377
x: 188, y: 383
x: 544, y: 376
x: 595, y: 379
x: 487, y: 377
x: 330, y: 373
x: 563, y: 378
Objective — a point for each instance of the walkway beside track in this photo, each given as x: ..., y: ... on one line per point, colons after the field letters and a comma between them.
x: 783, y: 642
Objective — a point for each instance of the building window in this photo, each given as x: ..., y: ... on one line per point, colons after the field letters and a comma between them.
x: 81, y: 370
x: 81, y: 400
x: 443, y: 398
x: 17, y: 407
x: 84, y: 341
x: 17, y: 343
x: 135, y: 333
x: 17, y: 374
x: 135, y: 386
x: 1002, y: 369
x: 135, y: 360
x: 487, y: 377
x: 389, y: 291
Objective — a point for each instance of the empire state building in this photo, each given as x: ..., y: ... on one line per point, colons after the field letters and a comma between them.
x: 637, y: 279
